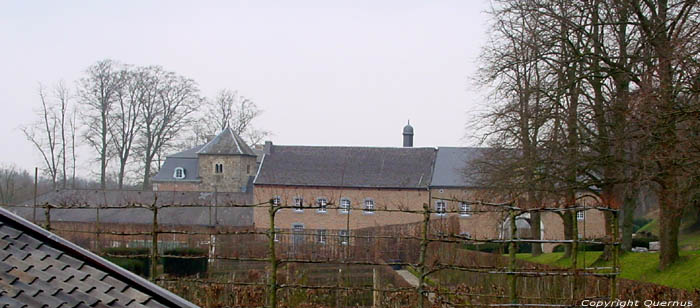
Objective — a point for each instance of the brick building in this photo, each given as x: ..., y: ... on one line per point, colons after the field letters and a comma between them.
x: 335, y: 189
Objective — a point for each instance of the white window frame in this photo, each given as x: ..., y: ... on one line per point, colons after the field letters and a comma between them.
x: 465, y: 209
x: 276, y: 200
x: 580, y: 215
x: 182, y: 173
x: 277, y: 235
x: 344, y: 237
x: 440, y: 207
x: 369, y: 206
x: 345, y: 208
x: 322, y: 203
x: 298, y: 204
x: 322, y: 236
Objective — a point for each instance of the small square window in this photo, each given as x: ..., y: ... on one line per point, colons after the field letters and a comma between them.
x: 441, y: 207
x: 276, y: 200
x: 298, y: 204
x: 465, y: 209
x: 322, y: 236
x: 580, y: 215
x: 322, y: 204
x: 344, y: 206
x: 369, y: 206
x: 343, y: 237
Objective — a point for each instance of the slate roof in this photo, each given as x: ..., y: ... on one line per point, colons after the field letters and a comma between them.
x: 40, y: 269
x: 200, y: 214
x: 226, y: 143
x: 347, y: 167
x: 454, y: 167
x: 186, y: 159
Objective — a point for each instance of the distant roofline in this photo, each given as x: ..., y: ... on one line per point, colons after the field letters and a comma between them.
x: 133, y: 280
x: 353, y: 146
x: 347, y: 186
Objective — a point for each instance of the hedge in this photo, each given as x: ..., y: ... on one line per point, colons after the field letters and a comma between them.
x: 196, y: 262
x: 137, y: 265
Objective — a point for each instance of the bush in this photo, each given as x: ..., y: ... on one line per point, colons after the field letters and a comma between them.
x: 643, y: 241
x: 581, y: 247
x: 195, y: 263
x: 137, y: 265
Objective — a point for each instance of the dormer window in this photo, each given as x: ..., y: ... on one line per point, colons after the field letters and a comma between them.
x: 219, y: 168
x: 179, y: 173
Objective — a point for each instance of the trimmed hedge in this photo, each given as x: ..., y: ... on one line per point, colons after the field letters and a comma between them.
x: 195, y: 263
x: 138, y: 265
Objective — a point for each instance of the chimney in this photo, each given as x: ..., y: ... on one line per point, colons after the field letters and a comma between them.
x: 408, y: 135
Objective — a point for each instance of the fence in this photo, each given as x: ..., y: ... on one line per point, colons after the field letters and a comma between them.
x: 287, y: 267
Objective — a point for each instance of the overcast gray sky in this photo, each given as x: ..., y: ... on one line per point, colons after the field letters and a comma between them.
x: 324, y: 72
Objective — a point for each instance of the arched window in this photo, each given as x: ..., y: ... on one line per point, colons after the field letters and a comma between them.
x: 179, y: 173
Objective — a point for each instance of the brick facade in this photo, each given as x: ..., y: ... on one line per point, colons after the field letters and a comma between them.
x: 334, y: 218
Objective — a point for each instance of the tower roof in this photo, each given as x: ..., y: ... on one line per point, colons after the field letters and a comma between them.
x: 408, y: 129
x: 226, y: 143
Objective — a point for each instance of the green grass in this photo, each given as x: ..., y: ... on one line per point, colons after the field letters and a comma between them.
x: 689, y: 241
x: 556, y: 259
x: 652, y: 226
x: 684, y: 274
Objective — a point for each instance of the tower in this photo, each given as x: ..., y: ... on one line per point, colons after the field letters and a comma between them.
x: 408, y: 135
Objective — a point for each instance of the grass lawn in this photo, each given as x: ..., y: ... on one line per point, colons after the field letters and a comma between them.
x: 685, y: 274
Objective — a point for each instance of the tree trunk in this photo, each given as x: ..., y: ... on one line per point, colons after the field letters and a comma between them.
x: 567, y: 218
x: 669, y: 223
x: 535, y: 219
x: 629, y: 205
x: 147, y: 174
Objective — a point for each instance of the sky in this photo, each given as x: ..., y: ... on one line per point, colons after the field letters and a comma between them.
x: 324, y: 72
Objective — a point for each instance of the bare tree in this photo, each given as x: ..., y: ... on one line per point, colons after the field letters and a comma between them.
x: 44, y: 135
x: 166, y: 106
x: 126, y: 116
x: 98, y: 92
x: 228, y: 109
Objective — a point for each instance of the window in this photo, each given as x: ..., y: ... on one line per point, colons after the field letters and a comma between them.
x: 322, y: 204
x: 580, y: 215
x: 322, y: 236
x: 277, y: 234
x: 247, y: 169
x: 343, y: 237
x: 369, y: 206
x: 298, y: 204
x: 219, y: 168
x: 179, y: 173
x: 276, y: 200
x: 344, y: 206
x: 298, y: 236
x: 441, y: 207
x: 465, y: 209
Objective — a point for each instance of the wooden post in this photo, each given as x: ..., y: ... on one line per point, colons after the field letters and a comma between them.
x: 47, y: 214
x: 154, y: 243
x: 512, y: 248
x: 422, y: 256
x: 272, y: 290
x: 98, y: 247
x: 376, y: 298
x: 36, y: 179
x: 337, y: 291
x: 616, y: 255
x: 574, y: 255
